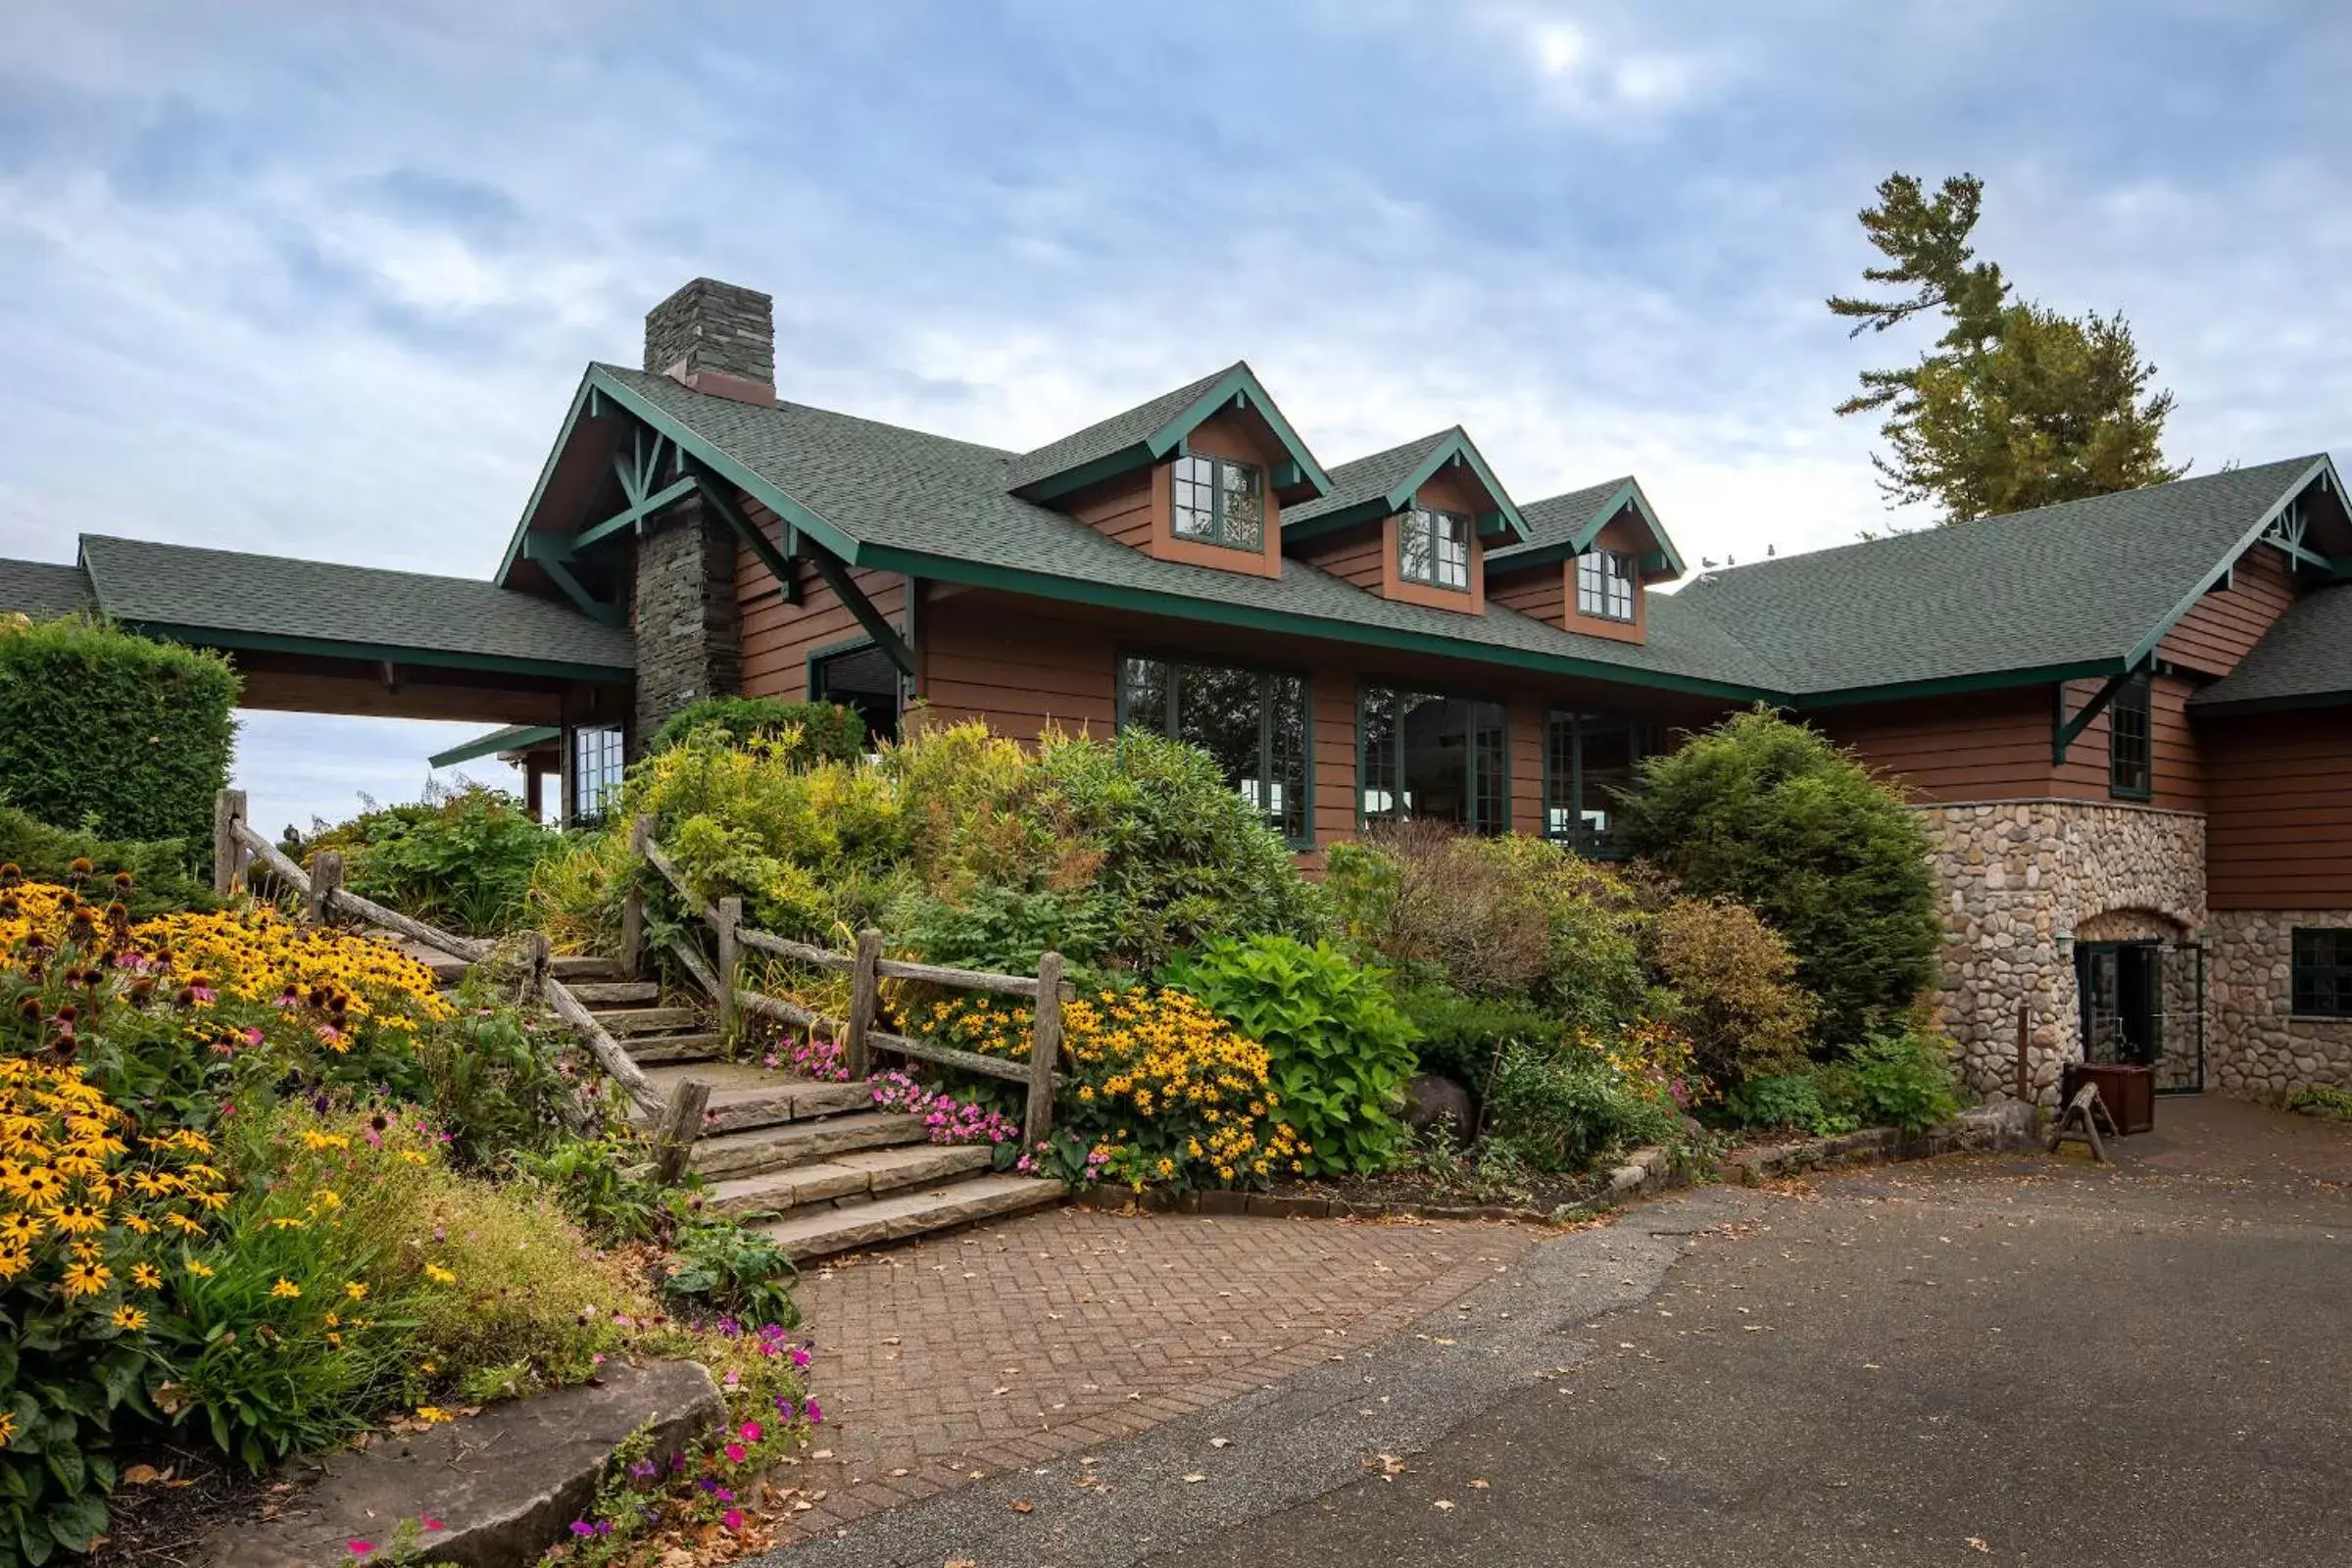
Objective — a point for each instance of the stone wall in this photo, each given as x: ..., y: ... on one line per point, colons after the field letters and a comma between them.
x: 2010, y: 878
x: 2259, y: 1050
x: 714, y: 327
x: 688, y: 622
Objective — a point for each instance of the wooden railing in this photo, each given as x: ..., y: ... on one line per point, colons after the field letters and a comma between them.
x: 868, y: 969
x: 237, y: 849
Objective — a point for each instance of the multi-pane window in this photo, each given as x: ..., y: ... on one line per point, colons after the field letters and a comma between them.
x: 1433, y: 547
x: 2322, y: 972
x: 1253, y: 723
x: 1220, y: 502
x: 860, y: 678
x: 1428, y: 757
x: 1590, y: 760
x: 595, y: 770
x: 1604, y: 585
x: 2130, y: 774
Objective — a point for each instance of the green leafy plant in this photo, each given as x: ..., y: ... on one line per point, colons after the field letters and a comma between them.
x: 726, y: 1270
x: 1788, y: 1101
x: 2321, y: 1099
x: 1904, y: 1080
x: 121, y: 735
x: 1735, y: 994
x: 603, y: 1184
x: 1339, y: 1051
x: 804, y: 732
x: 463, y: 859
x: 1770, y: 814
x: 1464, y: 1037
x: 1568, y: 1112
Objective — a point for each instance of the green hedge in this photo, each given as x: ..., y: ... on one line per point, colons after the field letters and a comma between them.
x: 161, y: 879
x: 828, y: 732
x: 112, y: 733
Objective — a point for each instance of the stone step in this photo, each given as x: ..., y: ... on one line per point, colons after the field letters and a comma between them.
x: 862, y: 1174
x: 762, y: 1150
x: 647, y: 1051
x: 743, y: 1096
x: 823, y: 1232
x: 646, y: 1020
x: 577, y: 966
x: 609, y: 991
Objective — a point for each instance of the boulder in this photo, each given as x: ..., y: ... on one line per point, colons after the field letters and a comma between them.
x: 1431, y: 1099
x: 505, y: 1485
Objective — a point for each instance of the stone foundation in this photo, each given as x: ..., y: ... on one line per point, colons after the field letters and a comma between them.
x: 2010, y: 878
x: 2258, y: 1049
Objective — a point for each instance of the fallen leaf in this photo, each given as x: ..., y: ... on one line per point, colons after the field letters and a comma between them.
x: 899, y: 1471
x: 1478, y: 1486
x: 1195, y: 1476
x: 1220, y: 1442
x: 143, y: 1475
x: 823, y: 1453
x: 1977, y: 1543
x: 1022, y: 1505
x: 1442, y: 1505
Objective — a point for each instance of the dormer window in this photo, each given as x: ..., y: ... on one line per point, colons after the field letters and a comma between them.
x: 1433, y: 549
x: 1604, y: 585
x: 1220, y: 502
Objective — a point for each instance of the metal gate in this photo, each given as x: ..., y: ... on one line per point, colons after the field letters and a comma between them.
x: 2144, y: 1003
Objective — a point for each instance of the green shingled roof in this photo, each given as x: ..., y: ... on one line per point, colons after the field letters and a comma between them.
x: 235, y: 600
x: 1373, y: 486
x: 42, y: 589
x: 2304, y: 661
x: 1114, y: 434
x: 1147, y: 432
x: 2088, y: 584
x: 904, y: 501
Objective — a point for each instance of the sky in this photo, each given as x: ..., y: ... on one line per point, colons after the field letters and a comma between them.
x: 320, y: 279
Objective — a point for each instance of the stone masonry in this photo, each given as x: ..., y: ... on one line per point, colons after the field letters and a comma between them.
x: 2011, y: 877
x: 2259, y: 1050
x: 714, y: 327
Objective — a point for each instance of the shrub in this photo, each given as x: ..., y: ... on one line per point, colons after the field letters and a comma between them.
x: 160, y: 879
x: 463, y: 860
x: 1571, y: 1111
x: 1786, y: 1101
x: 724, y: 1270
x: 1464, y: 1037
x: 1902, y: 1079
x: 2321, y: 1099
x: 1340, y: 1052
x: 1008, y: 929
x: 502, y: 1084
x: 1158, y: 1088
x: 117, y: 734
x: 804, y: 732
x: 1509, y: 917
x: 1731, y: 975
x: 1767, y: 812
x: 1184, y: 859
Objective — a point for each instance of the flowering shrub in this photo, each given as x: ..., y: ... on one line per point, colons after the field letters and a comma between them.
x: 1166, y: 1092
x: 1592, y: 1099
x: 92, y: 1217
x: 947, y: 1119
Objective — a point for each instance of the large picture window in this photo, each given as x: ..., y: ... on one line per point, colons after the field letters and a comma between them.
x: 1604, y: 585
x: 1433, y: 547
x: 1253, y: 723
x: 1433, y: 758
x: 2129, y: 770
x: 595, y: 770
x: 1588, y: 761
x: 860, y: 677
x: 2322, y: 973
x: 1220, y: 502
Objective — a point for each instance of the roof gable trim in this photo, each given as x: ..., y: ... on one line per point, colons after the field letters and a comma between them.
x: 2322, y: 469
x: 1665, y: 561
x: 1238, y: 388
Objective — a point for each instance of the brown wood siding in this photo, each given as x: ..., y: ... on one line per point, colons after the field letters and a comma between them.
x: 1628, y: 535
x: 1119, y: 508
x: 1541, y: 592
x: 778, y: 637
x: 2279, y: 811
x: 2178, y: 771
x: 1986, y: 746
x: 1352, y: 555
x: 2221, y: 626
x: 1018, y: 672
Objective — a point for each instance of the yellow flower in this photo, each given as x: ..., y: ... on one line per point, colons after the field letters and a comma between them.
x: 146, y: 1275
x: 22, y: 1229
x: 130, y: 1319
x: 412, y: 1157
x: 285, y: 1288
x: 197, y: 1270
x: 356, y: 1291
x: 79, y: 1219
x: 284, y: 1222
x: 86, y: 1278
x: 439, y: 1275
x: 8, y: 1428
x: 15, y: 1259
x: 433, y: 1415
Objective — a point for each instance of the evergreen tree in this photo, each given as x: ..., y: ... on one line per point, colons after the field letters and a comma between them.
x: 2016, y: 405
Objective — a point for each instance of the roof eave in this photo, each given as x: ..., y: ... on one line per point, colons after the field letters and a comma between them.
x: 1239, y: 388
x: 1951, y: 685
x: 1457, y: 447
x: 514, y: 738
x: 2146, y: 646
x: 379, y: 653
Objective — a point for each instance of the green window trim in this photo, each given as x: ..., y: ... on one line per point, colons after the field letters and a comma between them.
x: 1485, y: 764
x: 1433, y: 549
x: 1218, y: 501
x: 1569, y: 801
x: 2131, y: 744
x: 595, y: 760
x: 1150, y: 696
x: 2320, y: 968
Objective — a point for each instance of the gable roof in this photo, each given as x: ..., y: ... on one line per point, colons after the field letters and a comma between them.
x: 1150, y: 431
x: 2079, y: 588
x: 1565, y: 525
x: 1383, y: 482
x: 2304, y: 661
x: 230, y: 598
x: 42, y: 591
x: 898, y: 500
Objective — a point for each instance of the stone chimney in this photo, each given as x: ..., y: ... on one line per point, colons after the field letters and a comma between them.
x: 715, y: 338
x: 719, y: 339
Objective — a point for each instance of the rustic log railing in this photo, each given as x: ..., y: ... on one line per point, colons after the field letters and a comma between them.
x: 867, y: 969
x: 237, y: 849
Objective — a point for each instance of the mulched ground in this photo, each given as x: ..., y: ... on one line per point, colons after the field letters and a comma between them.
x: 164, y: 1522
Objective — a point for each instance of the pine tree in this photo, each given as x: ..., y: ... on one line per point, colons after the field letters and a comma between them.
x: 2016, y: 405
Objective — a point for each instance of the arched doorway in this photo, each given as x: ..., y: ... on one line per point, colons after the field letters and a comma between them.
x: 2139, y: 983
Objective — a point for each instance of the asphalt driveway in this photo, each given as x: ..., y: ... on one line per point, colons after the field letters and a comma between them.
x: 2000, y: 1359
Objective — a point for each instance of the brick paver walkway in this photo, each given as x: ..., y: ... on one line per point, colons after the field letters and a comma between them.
x: 1045, y: 1336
